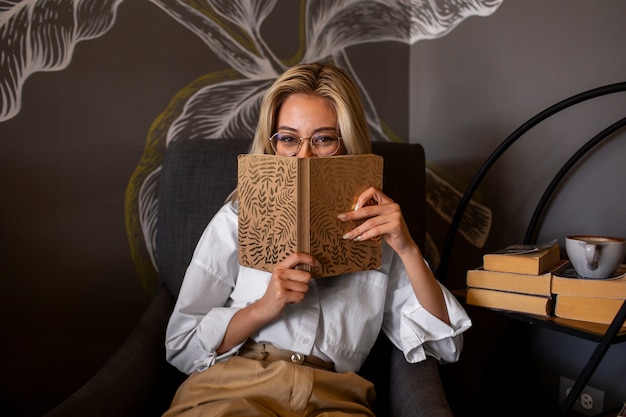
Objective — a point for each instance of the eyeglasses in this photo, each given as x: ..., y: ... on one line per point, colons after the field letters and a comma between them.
x: 322, y: 144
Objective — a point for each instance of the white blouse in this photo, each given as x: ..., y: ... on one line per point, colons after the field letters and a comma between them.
x: 338, y: 320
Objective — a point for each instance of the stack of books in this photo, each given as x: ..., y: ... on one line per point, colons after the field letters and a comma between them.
x: 536, y: 281
x: 592, y: 300
x: 517, y: 278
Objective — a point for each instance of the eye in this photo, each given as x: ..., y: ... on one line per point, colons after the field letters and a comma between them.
x: 324, y: 139
x: 286, y: 139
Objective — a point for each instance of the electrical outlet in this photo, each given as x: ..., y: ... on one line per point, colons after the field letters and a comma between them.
x: 590, y: 401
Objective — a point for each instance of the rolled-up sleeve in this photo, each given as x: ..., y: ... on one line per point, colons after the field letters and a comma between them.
x: 201, y: 314
x: 422, y: 334
x: 416, y: 331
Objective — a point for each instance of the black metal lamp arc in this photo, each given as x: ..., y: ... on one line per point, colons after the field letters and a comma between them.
x: 442, y: 270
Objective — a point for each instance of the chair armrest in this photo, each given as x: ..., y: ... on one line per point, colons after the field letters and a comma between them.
x: 416, y: 388
x: 128, y: 383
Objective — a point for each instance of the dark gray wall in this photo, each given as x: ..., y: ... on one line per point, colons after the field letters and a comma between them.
x: 70, y: 290
x: 472, y: 88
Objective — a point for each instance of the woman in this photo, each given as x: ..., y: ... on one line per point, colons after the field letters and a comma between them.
x: 282, y: 342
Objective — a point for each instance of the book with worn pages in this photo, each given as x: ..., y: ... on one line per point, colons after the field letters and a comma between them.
x: 523, y: 259
x: 586, y: 299
x: 592, y: 309
x: 289, y: 204
x: 510, y: 301
x: 508, y: 281
x: 567, y: 282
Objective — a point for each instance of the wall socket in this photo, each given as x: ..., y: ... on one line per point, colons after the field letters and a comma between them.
x: 590, y: 402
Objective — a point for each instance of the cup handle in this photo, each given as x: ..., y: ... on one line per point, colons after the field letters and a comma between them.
x: 591, y: 253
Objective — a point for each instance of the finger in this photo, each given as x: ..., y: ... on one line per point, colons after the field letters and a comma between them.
x: 390, y: 209
x: 371, y: 228
x: 388, y: 223
x: 296, y: 285
x: 370, y: 196
x: 285, y: 276
x: 365, y: 205
x: 290, y: 285
x: 298, y: 258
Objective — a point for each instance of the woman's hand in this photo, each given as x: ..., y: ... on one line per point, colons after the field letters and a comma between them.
x: 287, y: 286
x: 383, y: 218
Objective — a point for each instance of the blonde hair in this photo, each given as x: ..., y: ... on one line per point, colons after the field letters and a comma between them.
x: 332, y: 84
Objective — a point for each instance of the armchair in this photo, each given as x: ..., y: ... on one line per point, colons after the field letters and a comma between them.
x: 196, y: 177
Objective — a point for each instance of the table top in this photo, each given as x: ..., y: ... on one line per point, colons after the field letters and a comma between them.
x: 587, y: 330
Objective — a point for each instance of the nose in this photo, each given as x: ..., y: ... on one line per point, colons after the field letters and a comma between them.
x: 305, y: 150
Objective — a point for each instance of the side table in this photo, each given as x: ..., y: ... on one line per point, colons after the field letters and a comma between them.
x: 603, y: 335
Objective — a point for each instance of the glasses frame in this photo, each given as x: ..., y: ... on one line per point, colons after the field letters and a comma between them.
x: 300, y: 140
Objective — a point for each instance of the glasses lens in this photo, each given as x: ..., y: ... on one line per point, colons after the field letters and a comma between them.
x: 325, y: 144
x: 284, y: 144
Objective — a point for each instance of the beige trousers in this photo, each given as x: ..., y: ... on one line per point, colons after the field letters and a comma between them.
x: 244, y: 387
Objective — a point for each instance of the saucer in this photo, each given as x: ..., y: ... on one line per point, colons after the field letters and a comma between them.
x: 571, y: 273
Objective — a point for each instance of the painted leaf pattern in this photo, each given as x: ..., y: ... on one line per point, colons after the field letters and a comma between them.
x: 334, y: 189
x: 268, y: 203
x: 291, y: 204
x: 40, y: 35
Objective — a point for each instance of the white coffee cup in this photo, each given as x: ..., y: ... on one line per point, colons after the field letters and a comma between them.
x: 595, y: 256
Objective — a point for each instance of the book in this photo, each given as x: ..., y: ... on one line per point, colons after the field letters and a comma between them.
x: 598, y: 329
x: 289, y: 204
x: 592, y: 309
x: 509, y: 281
x: 510, y: 301
x: 567, y: 282
x: 524, y: 259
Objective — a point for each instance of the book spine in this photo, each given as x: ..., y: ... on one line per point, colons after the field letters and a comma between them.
x: 303, y: 238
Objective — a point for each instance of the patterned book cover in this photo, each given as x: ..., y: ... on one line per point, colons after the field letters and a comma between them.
x: 289, y: 204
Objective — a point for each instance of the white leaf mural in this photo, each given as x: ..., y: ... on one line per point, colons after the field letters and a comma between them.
x: 41, y: 36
